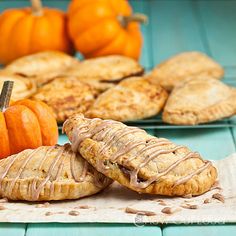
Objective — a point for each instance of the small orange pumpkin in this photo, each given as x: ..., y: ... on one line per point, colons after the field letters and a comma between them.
x: 24, y: 124
x: 26, y: 31
x: 105, y: 27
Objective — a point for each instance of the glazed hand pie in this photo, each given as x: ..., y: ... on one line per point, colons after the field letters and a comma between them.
x: 139, y: 161
x: 49, y: 173
x: 23, y: 88
x: 66, y: 96
x: 199, y: 100
x: 107, y: 68
x: 184, y: 65
x: 42, y: 66
x: 132, y: 99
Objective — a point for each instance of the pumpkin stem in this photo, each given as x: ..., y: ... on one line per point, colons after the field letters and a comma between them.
x: 6, y: 95
x: 137, y: 17
x: 37, y: 8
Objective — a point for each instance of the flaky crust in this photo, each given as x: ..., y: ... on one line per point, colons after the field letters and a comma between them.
x: 42, y: 66
x: 188, y: 64
x: 67, y: 96
x: 132, y: 99
x: 62, y: 184
x: 23, y: 88
x: 199, y: 100
x: 121, y: 168
x: 107, y: 68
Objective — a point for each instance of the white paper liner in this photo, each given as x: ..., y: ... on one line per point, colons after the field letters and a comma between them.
x: 109, y: 206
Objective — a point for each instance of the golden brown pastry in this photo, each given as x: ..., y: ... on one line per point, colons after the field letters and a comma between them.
x: 23, y: 88
x: 184, y: 65
x: 139, y: 161
x: 199, y: 100
x: 49, y: 173
x: 67, y: 96
x: 42, y: 66
x: 132, y: 99
x: 107, y: 68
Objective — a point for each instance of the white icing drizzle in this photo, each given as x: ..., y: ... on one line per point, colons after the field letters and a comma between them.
x: 11, y: 186
x: 36, y: 193
x: 103, y: 128
x: 57, y: 162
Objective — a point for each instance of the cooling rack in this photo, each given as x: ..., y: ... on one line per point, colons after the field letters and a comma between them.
x: 156, y: 122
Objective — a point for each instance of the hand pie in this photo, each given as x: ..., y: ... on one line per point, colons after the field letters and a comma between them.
x: 107, y: 68
x: 67, y: 96
x: 139, y: 161
x: 132, y: 99
x: 49, y: 173
x: 182, y: 66
x: 199, y: 100
x: 42, y: 66
x: 23, y: 88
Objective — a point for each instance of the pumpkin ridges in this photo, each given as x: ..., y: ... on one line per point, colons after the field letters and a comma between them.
x: 116, y: 46
x: 23, y: 128
x: 7, y: 20
x: 57, y: 22
x: 11, y: 18
x: 98, y: 12
x: 133, y: 46
x: 4, y: 139
x: 47, y: 121
x: 21, y: 40
x: 86, y: 43
x: 96, y: 36
x: 40, y: 30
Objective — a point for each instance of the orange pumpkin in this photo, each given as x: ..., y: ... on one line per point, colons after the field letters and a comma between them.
x: 30, y: 30
x: 105, y: 27
x: 25, y: 124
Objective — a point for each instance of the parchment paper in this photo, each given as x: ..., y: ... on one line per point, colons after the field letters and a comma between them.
x: 109, y: 206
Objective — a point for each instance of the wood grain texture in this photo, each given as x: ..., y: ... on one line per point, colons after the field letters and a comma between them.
x: 12, y: 229
x: 205, y: 230
x: 57, y: 229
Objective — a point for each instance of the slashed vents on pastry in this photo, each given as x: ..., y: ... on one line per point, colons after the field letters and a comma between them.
x: 133, y: 98
x: 67, y: 96
x: 199, y: 100
x: 42, y: 66
x: 139, y: 161
x: 49, y: 173
x: 179, y: 67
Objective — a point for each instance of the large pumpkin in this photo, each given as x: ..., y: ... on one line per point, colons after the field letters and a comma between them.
x: 105, y: 27
x: 25, y: 124
x: 30, y: 30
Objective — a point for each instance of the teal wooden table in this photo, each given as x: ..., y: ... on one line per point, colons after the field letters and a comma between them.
x: 174, y: 26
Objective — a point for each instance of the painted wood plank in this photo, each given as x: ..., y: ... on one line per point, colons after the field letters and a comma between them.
x: 218, y: 18
x: 12, y: 229
x: 143, y: 7
x: 174, y: 29
x: 57, y: 229
x: 204, y: 230
x: 63, y: 139
x: 212, y: 144
x: 4, y: 4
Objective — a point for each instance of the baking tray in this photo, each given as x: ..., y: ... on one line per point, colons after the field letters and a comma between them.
x: 156, y: 122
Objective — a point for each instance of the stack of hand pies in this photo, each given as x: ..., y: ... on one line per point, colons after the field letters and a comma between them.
x: 186, y: 87
x: 102, y: 151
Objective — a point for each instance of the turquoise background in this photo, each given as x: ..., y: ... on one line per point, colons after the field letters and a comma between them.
x: 174, y: 26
